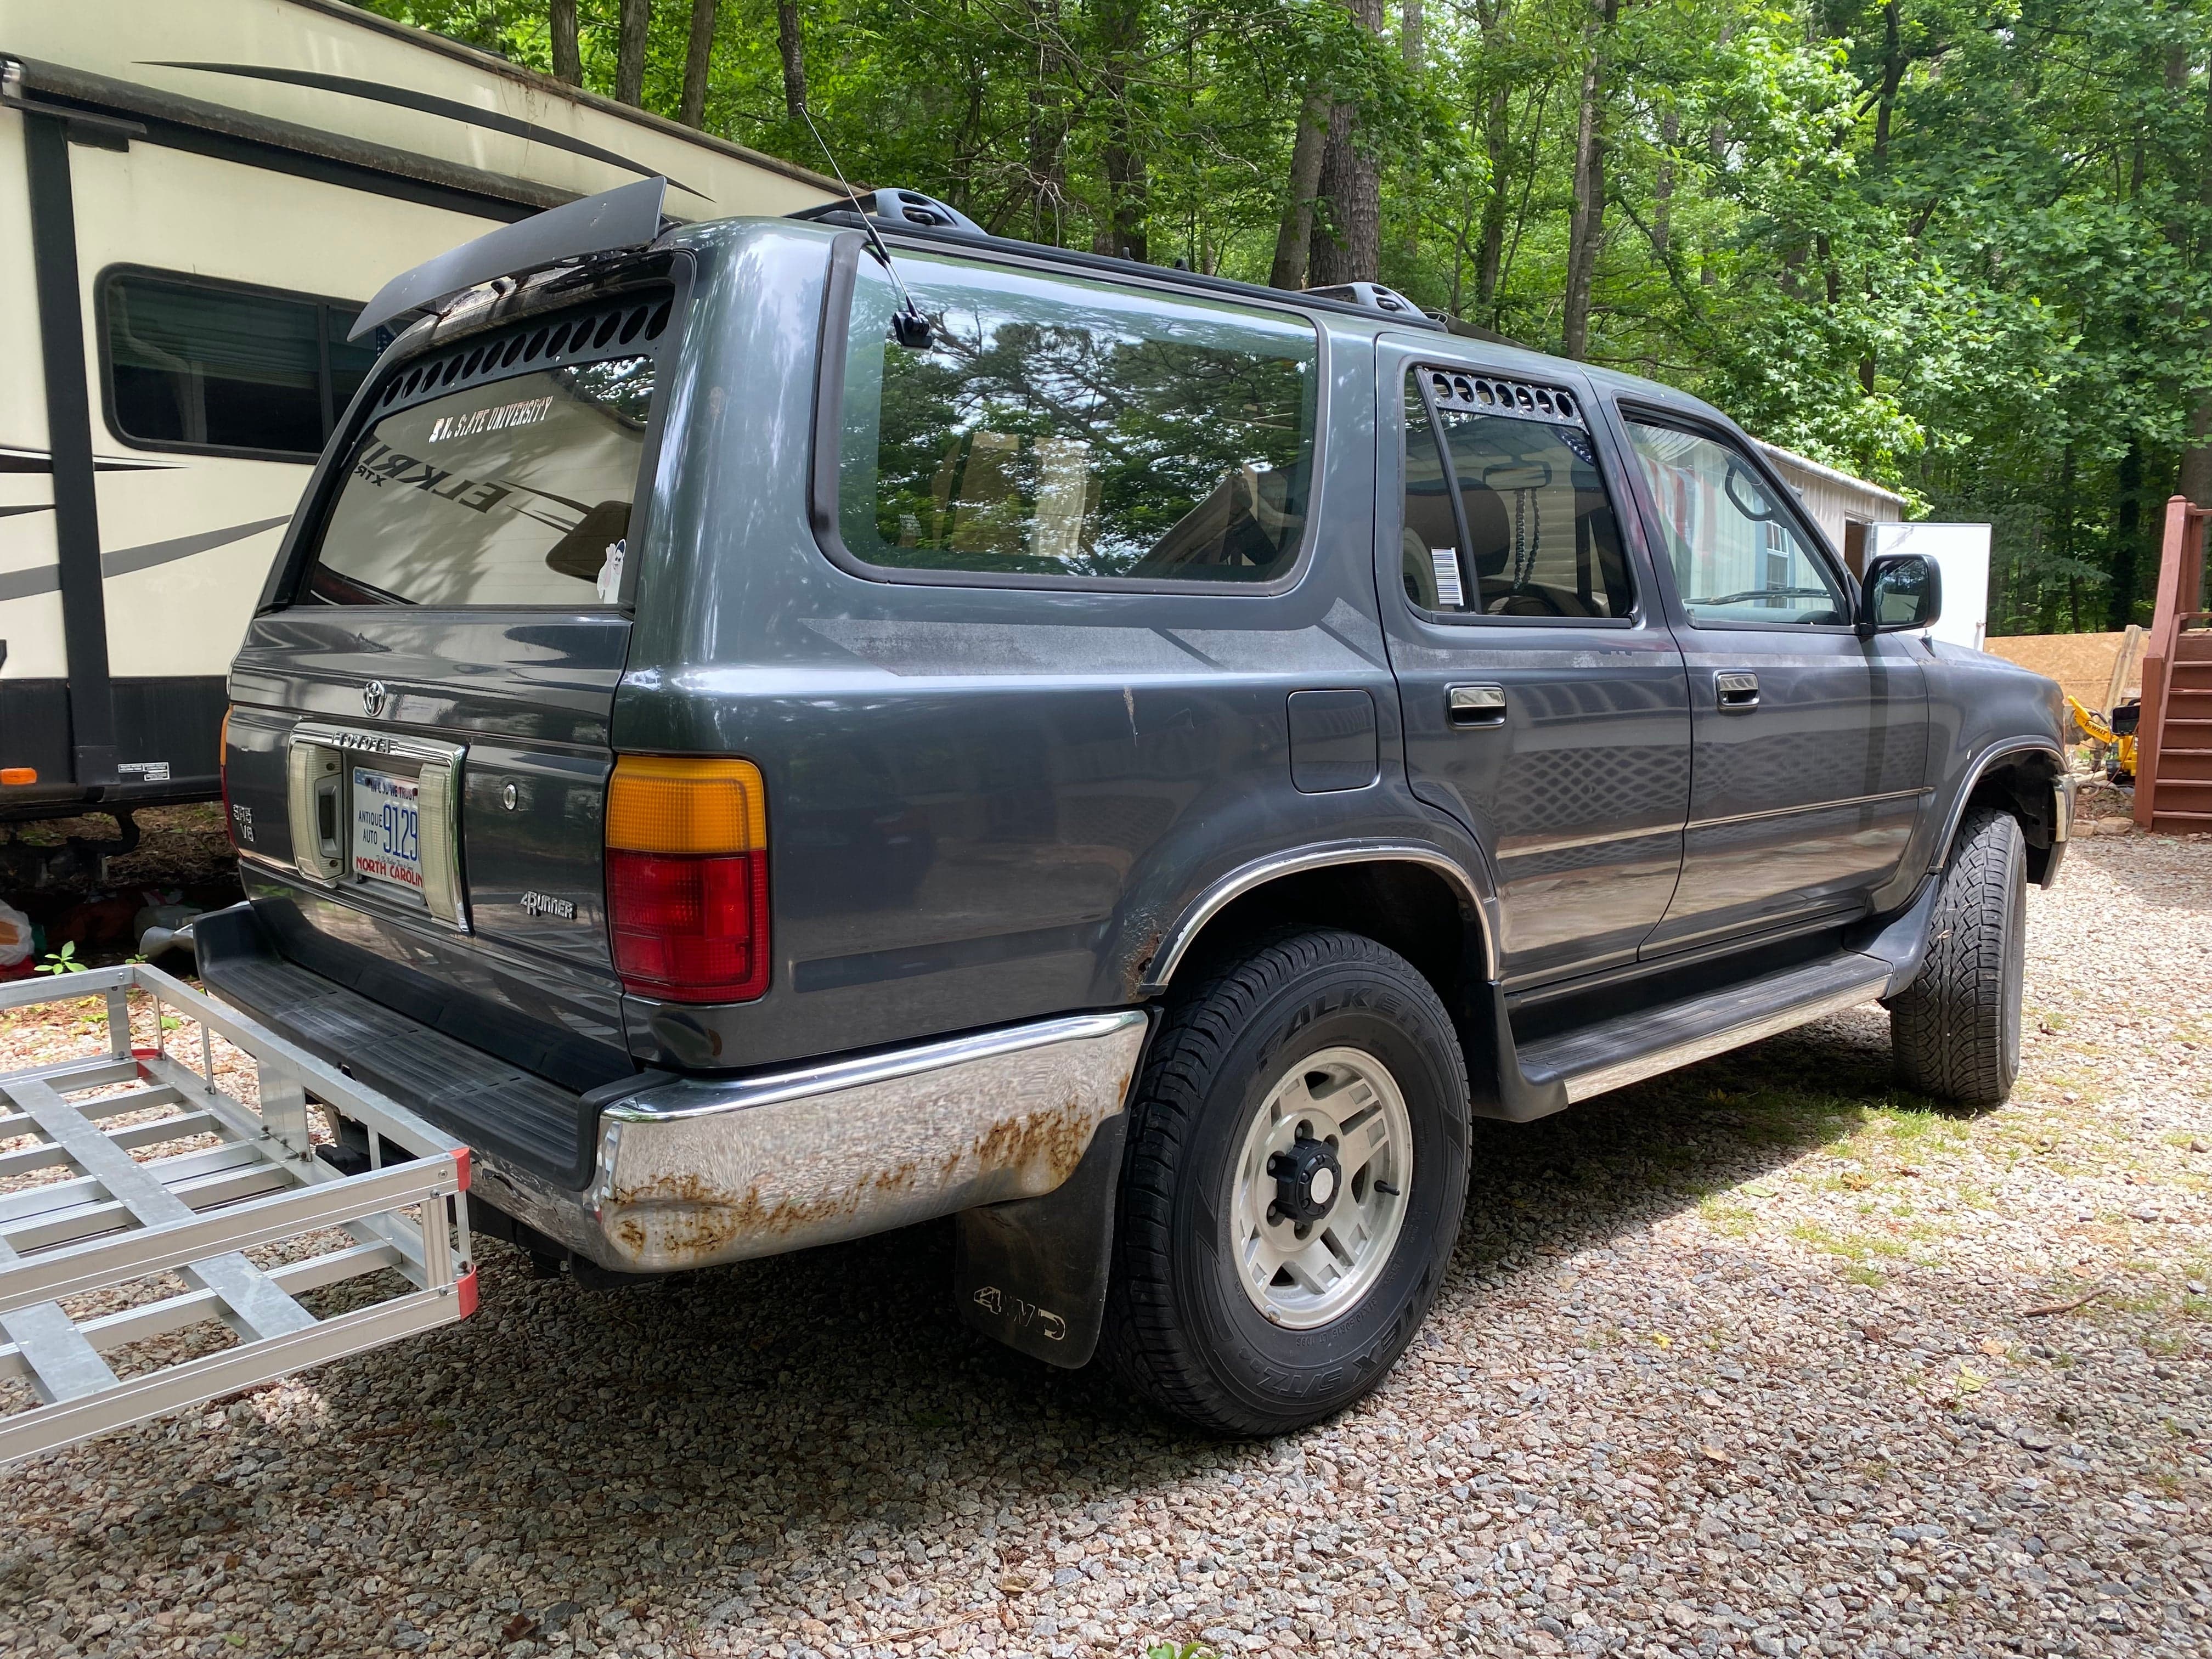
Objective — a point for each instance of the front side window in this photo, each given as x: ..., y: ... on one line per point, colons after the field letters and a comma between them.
x: 194, y: 364
x: 1068, y: 429
x: 513, y: 492
x: 1736, y: 557
x: 1511, y: 519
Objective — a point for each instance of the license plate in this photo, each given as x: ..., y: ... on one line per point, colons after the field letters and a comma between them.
x: 386, y: 842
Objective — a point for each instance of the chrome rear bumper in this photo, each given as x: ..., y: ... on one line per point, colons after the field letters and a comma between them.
x: 694, y: 1173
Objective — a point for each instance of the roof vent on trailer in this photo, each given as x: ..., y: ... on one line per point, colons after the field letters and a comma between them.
x: 901, y: 207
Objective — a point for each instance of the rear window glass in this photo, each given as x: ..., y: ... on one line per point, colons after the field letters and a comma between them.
x: 515, y: 492
x: 1067, y: 428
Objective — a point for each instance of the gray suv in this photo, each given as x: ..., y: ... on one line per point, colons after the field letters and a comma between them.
x: 778, y: 730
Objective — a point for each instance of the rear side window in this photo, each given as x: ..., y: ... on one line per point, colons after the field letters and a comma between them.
x: 196, y: 364
x: 515, y: 491
x: 1504, y: 475
x: 1065, y: 428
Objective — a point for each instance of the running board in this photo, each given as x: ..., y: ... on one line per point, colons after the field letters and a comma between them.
x: 1616, y: 1053
x: 129, y: 1172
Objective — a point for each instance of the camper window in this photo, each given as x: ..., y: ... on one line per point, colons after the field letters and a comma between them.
x: 220, y: 367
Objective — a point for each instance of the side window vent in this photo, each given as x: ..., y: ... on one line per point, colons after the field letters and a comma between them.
x: 1482, y: 394
x: 624, y: 327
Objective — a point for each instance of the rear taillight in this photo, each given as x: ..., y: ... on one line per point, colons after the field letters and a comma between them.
x: 687, y: 878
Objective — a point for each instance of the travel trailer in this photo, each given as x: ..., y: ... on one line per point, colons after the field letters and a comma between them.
x: 195, y: 201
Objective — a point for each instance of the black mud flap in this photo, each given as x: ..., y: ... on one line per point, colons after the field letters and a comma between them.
x: 1032, y: 1274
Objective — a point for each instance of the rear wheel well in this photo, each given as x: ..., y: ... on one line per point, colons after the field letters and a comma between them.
x: 1407, y: 907
x: 2021, y: 784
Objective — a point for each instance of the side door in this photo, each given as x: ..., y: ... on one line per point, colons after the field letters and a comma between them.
x: 1811, y: 744
x: 1540, y: 689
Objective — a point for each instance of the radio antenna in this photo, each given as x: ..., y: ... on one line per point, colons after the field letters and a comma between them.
x: 909, y: 326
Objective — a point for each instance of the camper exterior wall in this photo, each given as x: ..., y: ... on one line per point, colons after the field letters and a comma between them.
x: 292, y: 146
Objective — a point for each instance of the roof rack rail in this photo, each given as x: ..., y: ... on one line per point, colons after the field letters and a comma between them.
x: 1372, y: 296
x: 627, y: 216
x: 901, y: 206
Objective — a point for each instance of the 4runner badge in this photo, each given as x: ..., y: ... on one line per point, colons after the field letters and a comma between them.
x: 544, y: 904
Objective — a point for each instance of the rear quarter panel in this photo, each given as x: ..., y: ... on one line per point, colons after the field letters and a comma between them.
x: 984, y: 803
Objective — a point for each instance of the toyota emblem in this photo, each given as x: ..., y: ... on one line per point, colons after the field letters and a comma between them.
x: 372, y: 699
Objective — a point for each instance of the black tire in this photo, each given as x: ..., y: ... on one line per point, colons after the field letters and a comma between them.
x: 1180, y: 1326
x: 1955, y: 1031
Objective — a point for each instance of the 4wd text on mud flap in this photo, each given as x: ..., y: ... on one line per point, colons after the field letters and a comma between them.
x: 1050, y: 1325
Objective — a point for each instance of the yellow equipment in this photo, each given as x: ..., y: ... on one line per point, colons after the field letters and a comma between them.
x: 2118, y: 733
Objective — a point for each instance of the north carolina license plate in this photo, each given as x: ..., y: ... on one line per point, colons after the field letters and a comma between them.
x: 386, y: 842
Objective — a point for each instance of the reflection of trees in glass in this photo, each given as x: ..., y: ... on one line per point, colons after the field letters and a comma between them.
x: 1075, y: 447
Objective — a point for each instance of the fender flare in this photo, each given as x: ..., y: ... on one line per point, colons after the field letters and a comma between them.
x: 1176, y: 942
x: 2062, y: 793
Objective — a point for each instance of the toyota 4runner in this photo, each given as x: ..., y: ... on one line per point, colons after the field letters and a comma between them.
x: 778, y: 730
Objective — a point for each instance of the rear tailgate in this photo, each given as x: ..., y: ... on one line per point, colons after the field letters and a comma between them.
x: 418, y: 746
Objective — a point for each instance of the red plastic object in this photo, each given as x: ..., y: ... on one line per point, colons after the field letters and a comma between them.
x: 466, y: 1288
x: 461, y: 1166
x: 690, y: 927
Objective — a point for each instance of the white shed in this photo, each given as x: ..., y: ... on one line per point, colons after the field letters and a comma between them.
x: 1841, y: 505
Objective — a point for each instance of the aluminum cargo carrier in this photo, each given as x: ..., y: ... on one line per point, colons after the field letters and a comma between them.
x: 138, y: 1198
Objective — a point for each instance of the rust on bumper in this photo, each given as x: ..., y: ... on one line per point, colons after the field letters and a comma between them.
x: 699, y: 1172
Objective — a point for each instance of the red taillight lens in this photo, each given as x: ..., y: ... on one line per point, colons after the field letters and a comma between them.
x: 687, y: 878
x: 690, y: 928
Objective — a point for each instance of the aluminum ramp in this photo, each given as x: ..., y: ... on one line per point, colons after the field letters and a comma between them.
x: 102, y: 1217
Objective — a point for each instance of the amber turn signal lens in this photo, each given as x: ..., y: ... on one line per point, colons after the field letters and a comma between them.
x: 672, y: 804
x: 19, y: 775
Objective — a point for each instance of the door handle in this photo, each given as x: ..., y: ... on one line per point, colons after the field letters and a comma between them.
x: 1475, y: 705
x: 1736, y: 692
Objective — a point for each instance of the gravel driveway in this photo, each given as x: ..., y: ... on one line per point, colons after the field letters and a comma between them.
x: 1760, y: 1357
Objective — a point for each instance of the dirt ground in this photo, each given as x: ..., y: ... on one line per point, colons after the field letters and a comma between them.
x: 1764, y: 1357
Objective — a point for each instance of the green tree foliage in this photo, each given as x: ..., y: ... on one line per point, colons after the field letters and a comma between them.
x: 1961, y: 246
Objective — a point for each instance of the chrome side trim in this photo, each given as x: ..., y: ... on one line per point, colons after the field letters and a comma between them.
x: 1771, y: 1023
x: 1941, y: 850
x: 1809, y: 806
x: 695, y: 1173
x: 1210, y: 902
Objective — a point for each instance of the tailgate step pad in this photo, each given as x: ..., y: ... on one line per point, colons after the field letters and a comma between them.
x: 102, y: 1217
x: 507, y: 1112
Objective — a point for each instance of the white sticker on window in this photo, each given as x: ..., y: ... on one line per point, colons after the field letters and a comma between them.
x: 1445, y: 562
x: 608, y: 582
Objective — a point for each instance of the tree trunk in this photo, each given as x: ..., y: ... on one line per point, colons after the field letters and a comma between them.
x: 629, y: 57
x: 698, y: 55
x: 2127, y: 534
x: 793, y: 50
x: 1663, y: 185
x: 1413, y: 36
x: 1293, y: 239
x: 1497, y: 145
x: 1586, y: 225
x: 1893, y: 62
x: 1048, y: 124
x: 568, y: 56
x: 1348, y: 248
x: 1122, y: 227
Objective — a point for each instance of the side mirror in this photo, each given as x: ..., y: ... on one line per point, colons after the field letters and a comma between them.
x: 1900, y: 592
